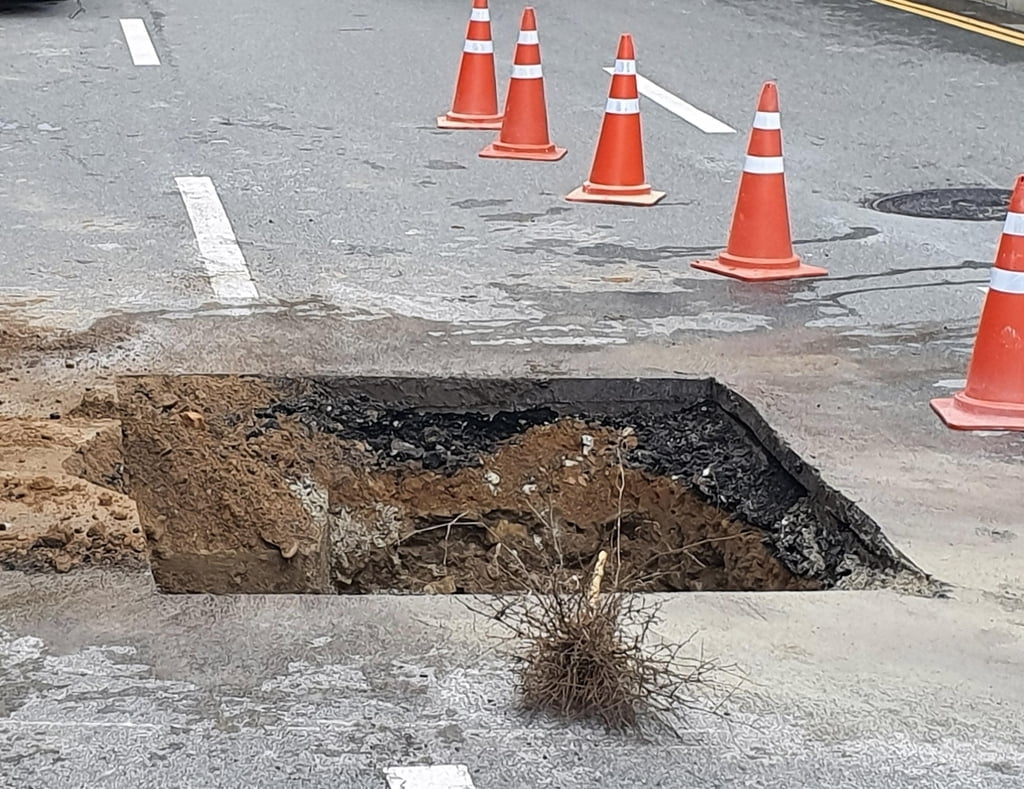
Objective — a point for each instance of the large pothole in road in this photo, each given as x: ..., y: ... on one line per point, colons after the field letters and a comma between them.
x: 331, y: 485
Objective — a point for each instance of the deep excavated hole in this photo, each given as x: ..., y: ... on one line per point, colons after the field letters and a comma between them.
x: 333, y: 485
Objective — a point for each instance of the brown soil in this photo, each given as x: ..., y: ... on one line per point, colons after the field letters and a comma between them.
x: 49, y: 517
x: 229, y: 507
x: 539, y: 496
x: 252, y: 484
x: 218, y: 513
x: 19, y: 337
x: 96, y: 403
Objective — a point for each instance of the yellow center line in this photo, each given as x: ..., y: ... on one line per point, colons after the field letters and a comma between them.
x: 998, y: 32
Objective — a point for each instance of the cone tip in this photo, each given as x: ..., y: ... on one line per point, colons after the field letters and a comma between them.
x: 769, y: 98
x: 626, y: 50
x: 529, y: 19
x: 1017, y: 196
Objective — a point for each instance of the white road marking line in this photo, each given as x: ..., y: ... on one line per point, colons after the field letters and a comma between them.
x: 695, y: 117
x: 225, y: 265
x: 553, y: 341
x: 139, y: 43
x: 438, y: 776
x: 86, y: 725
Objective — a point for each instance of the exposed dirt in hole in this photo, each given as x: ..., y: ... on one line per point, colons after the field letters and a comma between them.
x: 258, y: 485
x: 540, y: 496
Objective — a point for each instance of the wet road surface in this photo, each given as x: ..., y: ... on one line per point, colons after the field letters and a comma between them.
x: 375, y: 243
x: 315, y: 130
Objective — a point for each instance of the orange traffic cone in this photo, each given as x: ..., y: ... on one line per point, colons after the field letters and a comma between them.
x: 993, y: 398
x: 524, y: 130
x: 475, y: 105
x: 759, y: 247
x: 617, y: 174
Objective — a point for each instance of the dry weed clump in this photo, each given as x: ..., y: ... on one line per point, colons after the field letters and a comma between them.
x: 586, y: 655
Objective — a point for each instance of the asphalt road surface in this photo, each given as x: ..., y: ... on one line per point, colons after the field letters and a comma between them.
x: 315, y: 124
x: 259, y: 186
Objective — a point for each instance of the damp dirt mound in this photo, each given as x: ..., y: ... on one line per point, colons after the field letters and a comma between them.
x: 249, y: 484
x: 19, y: 337
x: 51, y: 516
x: 59, y: 525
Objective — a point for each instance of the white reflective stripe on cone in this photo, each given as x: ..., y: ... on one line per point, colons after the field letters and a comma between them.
x: 1014, y: 225
x: 528, y: 37
x: 625, y: 67
x: 526, y: 72
x: 1007, y: 281
x: 480, y: 15
x: 763, y: 165
x: 622, y: 106
x: 767, y: 121
x: 479, y: 47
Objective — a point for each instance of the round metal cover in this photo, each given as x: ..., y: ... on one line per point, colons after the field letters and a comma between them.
x: 972, y: 204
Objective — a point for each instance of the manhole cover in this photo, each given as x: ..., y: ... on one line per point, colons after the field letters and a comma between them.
x: 972, y: 204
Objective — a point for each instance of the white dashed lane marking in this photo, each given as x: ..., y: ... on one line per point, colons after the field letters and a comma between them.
x: 439, y: 776
x: 139, y: 43
x: 225, y: 265
x: 695, y: 117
